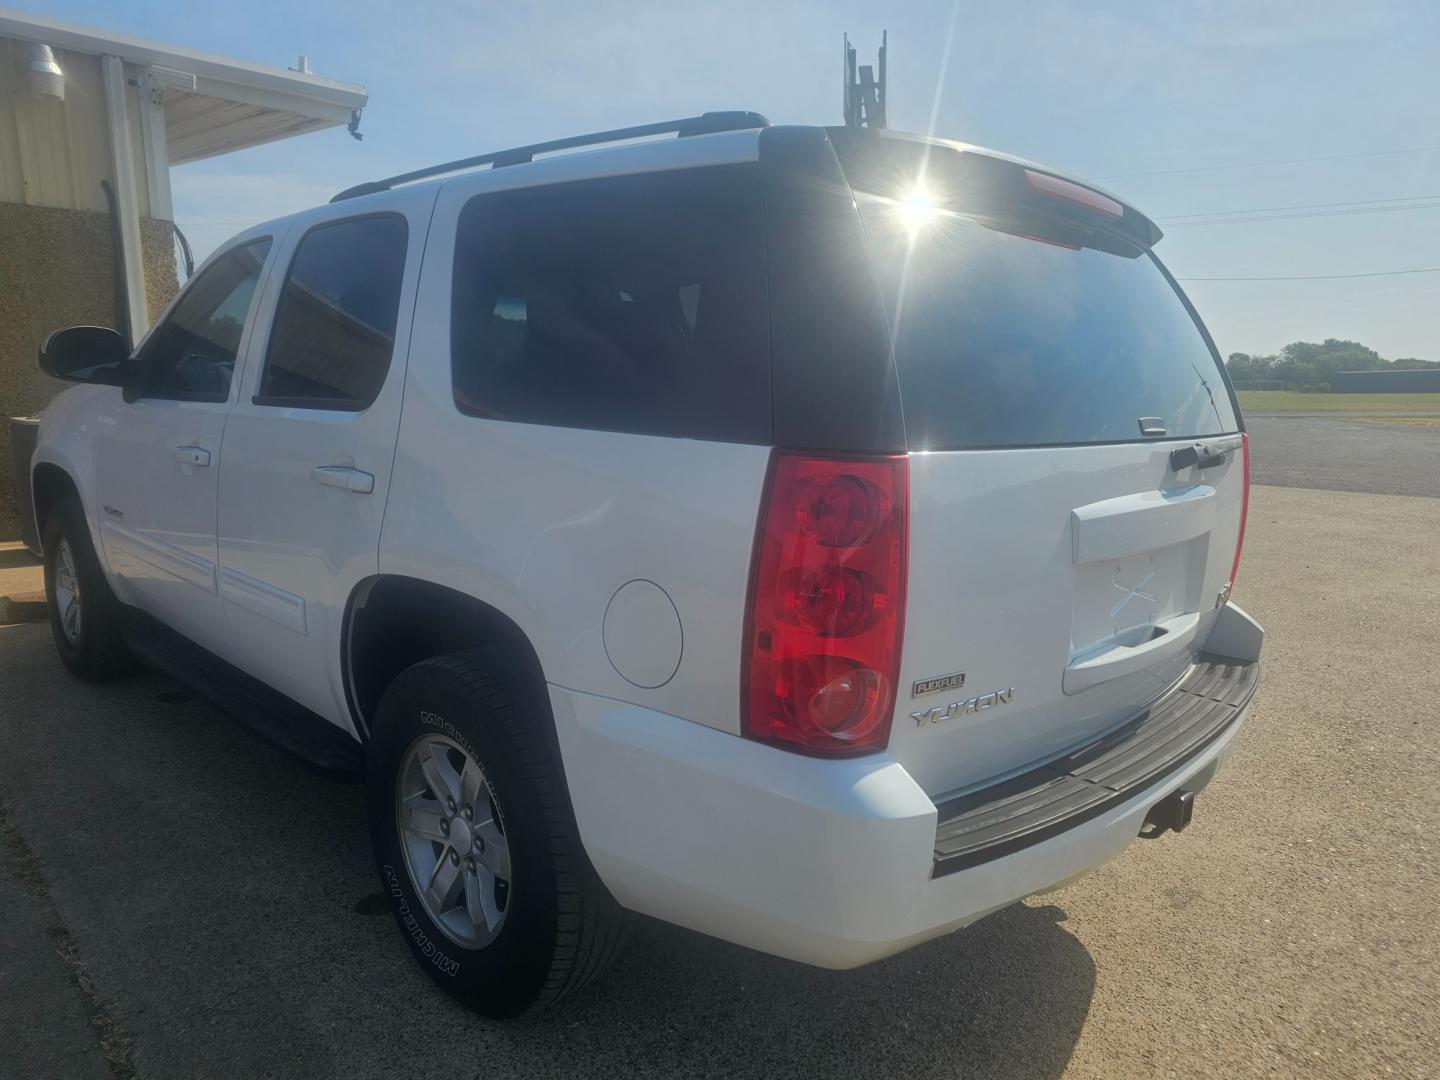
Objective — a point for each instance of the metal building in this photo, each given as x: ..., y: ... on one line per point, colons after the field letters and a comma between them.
x: 82, y: 110
x: 1417, y: 381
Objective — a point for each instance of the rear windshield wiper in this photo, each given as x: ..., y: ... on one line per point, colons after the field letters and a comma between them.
x: 1213, y: 407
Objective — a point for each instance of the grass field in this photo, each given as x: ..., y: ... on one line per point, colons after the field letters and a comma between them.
x: 1263, y: 401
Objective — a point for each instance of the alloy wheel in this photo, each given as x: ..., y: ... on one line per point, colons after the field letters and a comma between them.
x: 67, y: 593
x: 453, y: 836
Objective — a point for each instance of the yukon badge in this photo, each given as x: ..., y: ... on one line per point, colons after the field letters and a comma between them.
x: 978, y: 703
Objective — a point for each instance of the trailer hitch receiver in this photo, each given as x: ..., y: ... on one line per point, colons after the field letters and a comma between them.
x: 1172, y: 812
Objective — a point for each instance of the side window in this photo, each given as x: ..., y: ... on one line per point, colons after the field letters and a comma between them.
x: 335, y: 324
x: 191, y: 355
x: 634, y: 303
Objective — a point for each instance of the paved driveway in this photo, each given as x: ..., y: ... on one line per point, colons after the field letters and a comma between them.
x: 179, y: 900
x: 1345, y: 454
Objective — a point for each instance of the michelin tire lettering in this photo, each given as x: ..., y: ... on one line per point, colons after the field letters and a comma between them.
x: 412, y: 927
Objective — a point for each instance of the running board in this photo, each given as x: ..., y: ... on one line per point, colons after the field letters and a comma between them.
x: 312, y: 740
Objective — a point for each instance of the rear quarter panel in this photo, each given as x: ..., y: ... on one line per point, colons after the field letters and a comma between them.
x: 545, y: 523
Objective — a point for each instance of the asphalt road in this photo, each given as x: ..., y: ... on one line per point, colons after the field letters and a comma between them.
x: 1345, y: 454
x: 179, y: 900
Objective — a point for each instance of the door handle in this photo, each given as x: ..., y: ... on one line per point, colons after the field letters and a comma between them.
x: 344, y: 478
x: 193, y: 455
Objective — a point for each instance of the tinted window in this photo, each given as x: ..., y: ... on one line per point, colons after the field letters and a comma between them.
x: 335, y: 324
x: 628, y: 304
x: 191, y: 355
x: 833, y: 383
x: 1002, y: 340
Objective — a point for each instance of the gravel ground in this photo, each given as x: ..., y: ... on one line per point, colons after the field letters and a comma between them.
x: 182, y: 901
x: 1345, y: 454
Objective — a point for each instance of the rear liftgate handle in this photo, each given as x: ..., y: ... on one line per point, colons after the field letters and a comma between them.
x: 344, y: 478
x: 1206, y: 454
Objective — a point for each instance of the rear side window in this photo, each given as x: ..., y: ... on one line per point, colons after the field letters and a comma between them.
x: 191, y: 355
x: 334, y: 327
x: 633, y: 303
x: 1003, y: 340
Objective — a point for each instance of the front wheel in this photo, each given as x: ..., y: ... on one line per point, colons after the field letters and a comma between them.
x: 84, y: 614
x: 475, y: 840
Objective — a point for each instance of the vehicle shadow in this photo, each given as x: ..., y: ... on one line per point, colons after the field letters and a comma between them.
x: 1006, y: 997
x: 226, y: 910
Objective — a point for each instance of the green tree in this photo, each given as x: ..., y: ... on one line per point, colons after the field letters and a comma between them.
x: 1305, y: 365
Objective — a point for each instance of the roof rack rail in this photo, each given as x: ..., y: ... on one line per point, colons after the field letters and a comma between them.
x: 704, y: 124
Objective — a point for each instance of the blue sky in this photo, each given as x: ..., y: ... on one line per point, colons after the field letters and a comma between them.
x: 1122, y: 93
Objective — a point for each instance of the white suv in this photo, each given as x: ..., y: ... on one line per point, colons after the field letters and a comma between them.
x: 818, y: 538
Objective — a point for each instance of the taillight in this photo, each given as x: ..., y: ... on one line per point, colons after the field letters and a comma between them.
x: 1244, y: 513
x: 826, y: 606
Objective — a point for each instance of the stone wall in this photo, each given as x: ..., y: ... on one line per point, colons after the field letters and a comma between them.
x: 57, y: 268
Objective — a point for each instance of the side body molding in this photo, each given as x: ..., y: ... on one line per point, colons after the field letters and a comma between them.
x: 122, y: 543
x: 264, y: 599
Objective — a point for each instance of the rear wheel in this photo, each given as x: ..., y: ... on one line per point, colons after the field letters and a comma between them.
x: 475, y: 840
x: 84, y: 614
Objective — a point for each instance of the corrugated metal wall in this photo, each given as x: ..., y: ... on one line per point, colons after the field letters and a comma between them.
x: 55, y: 153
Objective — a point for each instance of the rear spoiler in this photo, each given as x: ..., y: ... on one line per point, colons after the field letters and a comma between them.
x: 1002, y: 192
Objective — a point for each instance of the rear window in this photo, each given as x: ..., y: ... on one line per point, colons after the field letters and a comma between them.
x: 633, y: 303
x: 335, y: 322
x: 1003, y: 340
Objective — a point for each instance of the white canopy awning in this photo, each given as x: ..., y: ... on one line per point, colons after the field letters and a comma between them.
x: 212, y: 104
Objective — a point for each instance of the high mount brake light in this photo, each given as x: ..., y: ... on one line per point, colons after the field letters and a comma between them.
x: 826, y: 607
x: 1074, y: 193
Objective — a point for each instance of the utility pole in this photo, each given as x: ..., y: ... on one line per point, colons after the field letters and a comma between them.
x: 866, y: 97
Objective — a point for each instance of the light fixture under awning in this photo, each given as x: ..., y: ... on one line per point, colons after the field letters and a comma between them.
x: 213, y: 104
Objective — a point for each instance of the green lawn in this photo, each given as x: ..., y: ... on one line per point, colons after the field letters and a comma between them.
x: 1261, y: 401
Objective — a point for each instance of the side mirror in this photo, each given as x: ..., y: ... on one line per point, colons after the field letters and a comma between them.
x: 90, y: 354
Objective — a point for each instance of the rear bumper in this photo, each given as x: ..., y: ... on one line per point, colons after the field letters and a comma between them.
x: 833, y: 863
x: 1060, y: 795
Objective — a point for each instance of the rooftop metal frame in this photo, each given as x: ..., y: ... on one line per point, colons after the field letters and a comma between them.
x: 705, y: 124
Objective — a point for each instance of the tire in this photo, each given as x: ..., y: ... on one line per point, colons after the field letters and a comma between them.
x: 557, y: 927
x: 85, y: 617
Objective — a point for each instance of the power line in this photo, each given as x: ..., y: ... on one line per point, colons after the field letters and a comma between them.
x: 1299, y: 206
x: 1319, y: 277
x: 1306, y: 214
x: 1263, y: 164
